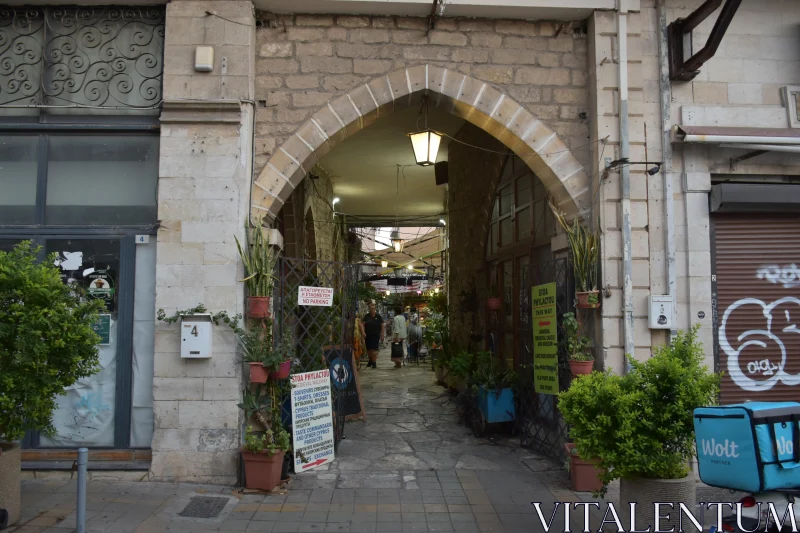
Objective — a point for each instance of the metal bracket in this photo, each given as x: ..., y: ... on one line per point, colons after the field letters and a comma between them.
x: 745, y: 157
x: 682, y: 69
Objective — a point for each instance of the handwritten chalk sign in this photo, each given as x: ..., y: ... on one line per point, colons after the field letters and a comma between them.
x: 312, y: 421
x: 319, y: 296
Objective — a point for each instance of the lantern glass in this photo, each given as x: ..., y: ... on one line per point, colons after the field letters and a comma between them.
x: 397, y: 242
x: 384, y: 264
x: 426, y: 146
x: 398, y: 272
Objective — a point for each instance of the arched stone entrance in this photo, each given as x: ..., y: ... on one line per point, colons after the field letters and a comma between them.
x: 475, y: 101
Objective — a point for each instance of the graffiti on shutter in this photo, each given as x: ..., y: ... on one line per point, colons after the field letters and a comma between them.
x: 757, y: 282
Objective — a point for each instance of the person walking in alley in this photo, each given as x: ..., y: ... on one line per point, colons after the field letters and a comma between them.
x: 373, y: 330
x: 400, y: 333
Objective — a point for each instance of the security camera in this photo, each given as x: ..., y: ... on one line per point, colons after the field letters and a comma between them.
x: 654, y: 170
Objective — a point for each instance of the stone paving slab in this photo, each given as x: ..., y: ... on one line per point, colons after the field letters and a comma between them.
x: 408, y: 467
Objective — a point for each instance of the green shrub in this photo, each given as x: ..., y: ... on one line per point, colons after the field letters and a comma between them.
x: 46, y: 340
x: 640, y: 424
x: 461, y: 364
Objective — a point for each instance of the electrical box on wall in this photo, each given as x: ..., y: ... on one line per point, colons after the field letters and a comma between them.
x: 196, y: 336
x: 660, y: 312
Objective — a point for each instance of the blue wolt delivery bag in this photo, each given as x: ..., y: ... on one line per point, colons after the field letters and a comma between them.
x: 752, y: 446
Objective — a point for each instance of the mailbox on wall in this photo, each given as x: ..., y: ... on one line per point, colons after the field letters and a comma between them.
x: 196, y: 336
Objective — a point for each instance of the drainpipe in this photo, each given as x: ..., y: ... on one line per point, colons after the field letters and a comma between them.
x: 625, y: 175
x: 666, y: 151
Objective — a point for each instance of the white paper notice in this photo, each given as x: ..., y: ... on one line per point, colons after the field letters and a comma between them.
x: 312, y: 421
x: 319, y: 296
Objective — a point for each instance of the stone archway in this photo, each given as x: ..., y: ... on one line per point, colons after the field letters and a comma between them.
x: 475, y: 101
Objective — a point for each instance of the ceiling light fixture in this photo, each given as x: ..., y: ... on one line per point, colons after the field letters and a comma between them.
x: 397, y: 242
x: 425, y: 143
x: 442, y: 222
x: 410, y: 267
x: 388, y: 293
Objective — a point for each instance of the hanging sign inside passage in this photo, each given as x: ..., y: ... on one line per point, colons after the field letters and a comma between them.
x: 545, y: 339
x: 319, y: 296
x: 312, y: 421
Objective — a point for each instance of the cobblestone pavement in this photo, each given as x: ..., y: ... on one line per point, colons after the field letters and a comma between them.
x: 409, y: 466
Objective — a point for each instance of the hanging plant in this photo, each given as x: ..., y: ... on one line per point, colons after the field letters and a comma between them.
x: 584, y: 248
x: 259, y: 259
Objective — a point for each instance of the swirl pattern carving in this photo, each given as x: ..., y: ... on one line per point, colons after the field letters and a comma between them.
x: 90, y: 56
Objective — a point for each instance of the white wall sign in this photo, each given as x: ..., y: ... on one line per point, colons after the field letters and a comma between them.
x: 312, y: 420
x: 319, y: 296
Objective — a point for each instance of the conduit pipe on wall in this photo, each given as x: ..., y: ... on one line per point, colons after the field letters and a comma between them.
x: 739, y: 139
x: 666, y: 168
x: 625, y: 178
x: 765, y: 147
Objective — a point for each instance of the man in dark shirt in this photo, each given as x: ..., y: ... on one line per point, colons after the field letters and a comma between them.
x: 373, y: 331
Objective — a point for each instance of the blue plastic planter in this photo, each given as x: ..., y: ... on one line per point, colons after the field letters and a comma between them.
x: 496, y: 407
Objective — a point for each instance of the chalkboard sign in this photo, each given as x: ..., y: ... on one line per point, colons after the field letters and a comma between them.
x: 345, y: 379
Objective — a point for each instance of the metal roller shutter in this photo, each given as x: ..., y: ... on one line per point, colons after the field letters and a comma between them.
x: 756, y: 286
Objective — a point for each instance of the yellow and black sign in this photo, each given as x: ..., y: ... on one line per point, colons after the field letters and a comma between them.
x: 545, y: 339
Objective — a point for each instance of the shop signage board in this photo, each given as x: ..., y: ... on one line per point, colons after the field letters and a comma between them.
x: 312, y: 435
x: 545, y: 338
x: 103, y: 328
x: 315, y: 296
x: 345, y: 379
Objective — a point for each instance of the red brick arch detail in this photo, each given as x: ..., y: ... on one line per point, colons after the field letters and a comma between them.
x: 476, y: 101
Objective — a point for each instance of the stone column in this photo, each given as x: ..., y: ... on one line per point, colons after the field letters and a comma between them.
x: 204, y: 190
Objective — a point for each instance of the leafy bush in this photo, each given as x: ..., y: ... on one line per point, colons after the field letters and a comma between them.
x: 640, y: 424
x: 46, y: 340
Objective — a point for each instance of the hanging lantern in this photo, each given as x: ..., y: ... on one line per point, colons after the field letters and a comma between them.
x: 397, y: 242
x: 398, y: 272
x: 388, y: 293
x: 436, y: 290
x: 384, y: 263
x: 425, y: 145
x: 431, y: 272
x: 410, y: 267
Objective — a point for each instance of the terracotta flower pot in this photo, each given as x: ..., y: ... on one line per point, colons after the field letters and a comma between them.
x: 583, y: 300
x: 283, y: 371
x: 258, y: 306
x: 261, y: 470
x: 495, y: 304
x: 258, y: 373
x: 584, y: 473
x: 581, y: 368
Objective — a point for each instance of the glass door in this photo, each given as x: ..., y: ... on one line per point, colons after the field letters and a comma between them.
x: 85, y: 415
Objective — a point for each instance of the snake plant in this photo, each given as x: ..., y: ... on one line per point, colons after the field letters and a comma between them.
x: 259, y: 259
x: 584, y: 247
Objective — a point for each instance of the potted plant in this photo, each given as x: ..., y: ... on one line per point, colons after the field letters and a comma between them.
x: 259, y: 259
x: 639, y: 426
x: 281, y: 360
x: 255, y: 347
x: 584, y: 248
x: 585, y: 475
x: 263, y: 456
x: 47, y: 343
x: 493, y: 383
x: 494, y: 302
x: 579, y: 355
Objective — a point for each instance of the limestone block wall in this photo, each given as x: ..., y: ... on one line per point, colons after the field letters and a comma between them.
x: 204, y: 187
x: 646, y: 192
x: 303, y: 62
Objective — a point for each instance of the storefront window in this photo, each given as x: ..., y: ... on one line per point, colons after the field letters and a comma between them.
x: 18, y: 167
x: 85, y: 414
x: 109, y: 180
